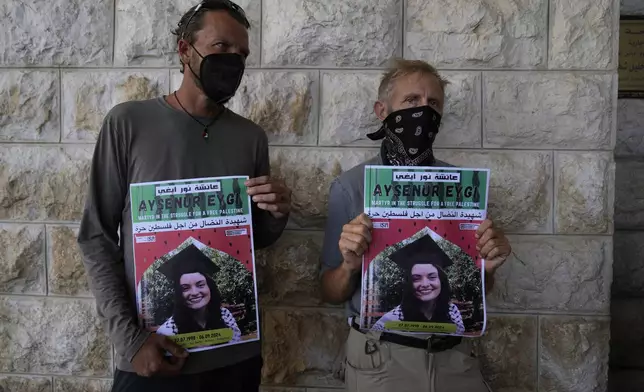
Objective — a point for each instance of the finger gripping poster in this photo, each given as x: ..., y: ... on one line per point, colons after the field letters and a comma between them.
x: 422, y: 272
x: 194, y: 261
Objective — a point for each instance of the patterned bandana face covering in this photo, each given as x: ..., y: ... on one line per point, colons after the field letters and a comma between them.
x: 408, y: 136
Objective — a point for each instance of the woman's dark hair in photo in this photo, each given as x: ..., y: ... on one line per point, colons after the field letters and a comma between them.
x: 411, y: 305
x: 188, y: 261
x: 423, y: 250
x: 183, y: 315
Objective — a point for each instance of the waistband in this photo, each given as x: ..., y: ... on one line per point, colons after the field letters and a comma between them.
x: 435, y: 343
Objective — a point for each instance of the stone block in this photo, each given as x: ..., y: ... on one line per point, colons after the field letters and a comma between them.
x: 520, y: 186
x: 283, y: 103
x: 334, y: 33
x: 288, y: 271
x: 573, y: 354
x: 29, y: 109
x: 89, y: 95
x: 11, y: 383
x: 630, y: 128
x: 66, y: 270
x: 347, y: 112
x: 56, y: 32
x: 629, y: 205
x: 52, y: 336
x: 627, y: 333
x: 22, y: 260
x: 144, y: 31
x: 628, y: 267
x: 508, y: 353
x: 43, y: 183
x: 477, y: 34
x: 304, y: 347
x: 461, y: 122
x: 69, y: 384
x: 583, y: 34
x: 308, y: 173
x: 631, y: 7
x: 585, y: 195
x: 548, y: 110
x: 555, y: 273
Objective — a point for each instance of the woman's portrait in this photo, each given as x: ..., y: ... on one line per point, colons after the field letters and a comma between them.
x: 426, y: 295
x: 197, y: 301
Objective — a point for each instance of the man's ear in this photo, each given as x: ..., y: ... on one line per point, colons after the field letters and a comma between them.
x: 184, y: 51
x: 380, y: 108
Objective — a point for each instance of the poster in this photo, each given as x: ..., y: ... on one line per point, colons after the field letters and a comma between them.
x: 631, y: 57
x: 422, y: 272
x: 194, y: 261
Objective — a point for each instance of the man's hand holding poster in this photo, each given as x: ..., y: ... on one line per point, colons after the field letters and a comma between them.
x: 422, y: 272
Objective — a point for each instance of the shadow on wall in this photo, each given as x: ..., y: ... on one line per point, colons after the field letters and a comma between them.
x: 627, y: 325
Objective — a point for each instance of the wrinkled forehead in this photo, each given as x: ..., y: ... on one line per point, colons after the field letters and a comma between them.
x: 419, y: 83
x: 218, y: 24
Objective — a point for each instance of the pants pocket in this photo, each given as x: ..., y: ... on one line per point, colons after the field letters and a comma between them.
x: 367, y: 362
x: 365, y: 353
x: 457, y: 371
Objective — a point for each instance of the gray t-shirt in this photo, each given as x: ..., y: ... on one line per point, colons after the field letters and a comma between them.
x: 346, y: 201
x: 146, y: 141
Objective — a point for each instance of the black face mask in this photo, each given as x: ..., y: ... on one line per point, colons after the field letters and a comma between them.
x: 220, y: 75
x: 408, y: 136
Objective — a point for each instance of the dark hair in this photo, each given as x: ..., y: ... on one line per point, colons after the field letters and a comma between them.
x: 411, y: 305
x: 191, y: 21
x: 182, y: 315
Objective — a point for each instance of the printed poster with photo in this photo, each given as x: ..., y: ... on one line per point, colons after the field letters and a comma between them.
x: 194, y: 261
x: 422, y: 272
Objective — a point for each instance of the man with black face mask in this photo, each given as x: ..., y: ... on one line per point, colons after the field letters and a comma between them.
x: 187, y: 134
x: 410, y: 106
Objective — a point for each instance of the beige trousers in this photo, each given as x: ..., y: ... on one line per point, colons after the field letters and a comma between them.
x: 396, y: 368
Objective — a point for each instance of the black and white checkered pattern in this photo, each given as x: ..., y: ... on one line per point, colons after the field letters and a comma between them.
x: 396, y: 314
x: 170, y: 327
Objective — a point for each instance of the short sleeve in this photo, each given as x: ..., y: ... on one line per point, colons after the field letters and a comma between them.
x: 338, y: 215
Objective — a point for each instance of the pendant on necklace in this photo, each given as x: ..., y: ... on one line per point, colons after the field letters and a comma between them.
x: 205, y: 133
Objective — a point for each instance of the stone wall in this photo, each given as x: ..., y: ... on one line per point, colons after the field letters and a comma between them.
x: 627, y: 326
x: 533, y: 97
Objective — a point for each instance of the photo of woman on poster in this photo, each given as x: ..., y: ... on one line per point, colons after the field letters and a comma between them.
x: 197, y: 301
x: 426, y: 295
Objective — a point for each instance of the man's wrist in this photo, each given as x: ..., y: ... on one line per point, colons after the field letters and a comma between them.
x: 489, y: 278
x: 348, y: 268
x: 280, y: 219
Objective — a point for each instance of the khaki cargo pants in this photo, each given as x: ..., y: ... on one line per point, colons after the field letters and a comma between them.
x: 396, y: 368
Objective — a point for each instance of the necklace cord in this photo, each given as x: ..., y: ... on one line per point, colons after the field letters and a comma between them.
x: 205, y: 127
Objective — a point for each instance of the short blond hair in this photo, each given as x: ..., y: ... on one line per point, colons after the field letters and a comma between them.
x: 403, y: 67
